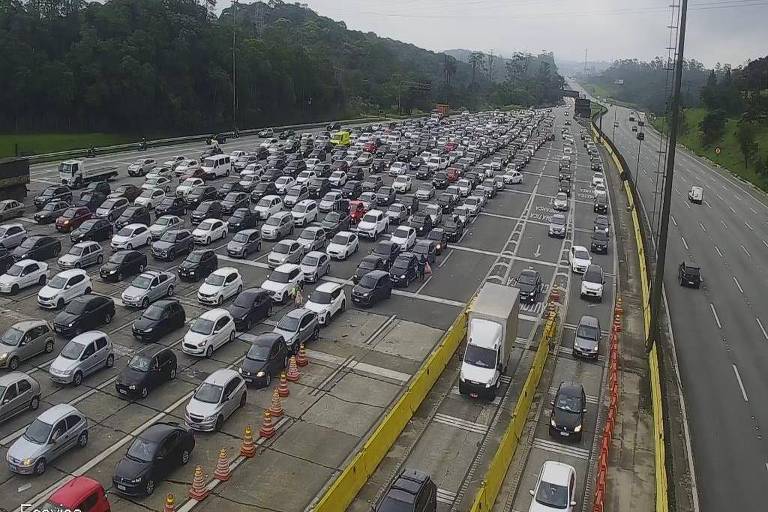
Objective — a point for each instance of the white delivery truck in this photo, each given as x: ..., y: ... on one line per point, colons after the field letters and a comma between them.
x: 696, y: 195
x: 491, y: 333
x: 76, y: 174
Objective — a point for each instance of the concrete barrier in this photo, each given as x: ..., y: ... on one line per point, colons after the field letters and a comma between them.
x: 343, y: 490
x: 497, y: 469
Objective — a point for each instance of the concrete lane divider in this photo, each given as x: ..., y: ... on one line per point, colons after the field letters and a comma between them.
x: 497, y: 469
x: 340, y: 494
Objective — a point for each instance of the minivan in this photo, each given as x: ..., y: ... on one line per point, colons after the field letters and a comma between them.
x: 217, y: 166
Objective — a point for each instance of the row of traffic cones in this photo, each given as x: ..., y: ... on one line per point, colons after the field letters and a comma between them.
x: 223, y: 472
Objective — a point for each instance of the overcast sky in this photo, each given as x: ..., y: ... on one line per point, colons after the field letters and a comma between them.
x: 728, y: 31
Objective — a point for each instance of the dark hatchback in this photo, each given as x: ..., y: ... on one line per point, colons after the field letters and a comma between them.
x: 198, y: 265
x: 386, y: 250
x: 152, y: 456
x: 51, y: 211
x: 83, y: 314
x: 173, y: 243
x: 404, y: 270
x: 318, y: 187
x: 200, y: 194
x: 689, y: 275
x: 454, y: 229
x: 369, y: 264
x: 440, y: 237
x: 242, y: 218
x: 148, y: 368
x: 334, y: 222
x: 97, y: 230
x: 530, y: 285
x: 412, y: 491
x: 207, y: 210
x: 440, y: 180
x: 568, y: 409
x: 133, y: 215
x: 38, y: 247
x: 122, y: 264
x: 599, y: 243
x: 422, y: 222
x: 53, y: 193
x: 373, y: 287
x: 263, y: 188
x: 267, y: 357
x: 250, y: 307
x: 159, y: 319
x: 171, y: 206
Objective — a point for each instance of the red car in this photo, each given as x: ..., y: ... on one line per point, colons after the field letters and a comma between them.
x: 453, y: 174
x: 370, y: 147
x: 450, y: 146
x: 356, y: 211
x: 80, y: 493
x: 194, y: 173
x: 72, y: 218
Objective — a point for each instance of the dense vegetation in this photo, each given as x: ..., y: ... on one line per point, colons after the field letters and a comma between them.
x: 165, y: 66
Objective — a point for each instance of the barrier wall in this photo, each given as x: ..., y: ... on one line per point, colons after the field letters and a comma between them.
x: 497, y: 469
x: 352, y: 478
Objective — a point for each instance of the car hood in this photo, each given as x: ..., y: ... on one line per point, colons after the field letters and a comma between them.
x: 65, y: 318
x: 252, y: 366
x: 46, y: 292
x: 288, y: 335
x: 585, y: 343
x: 119, y: 239
x: 22, y: 448
x: 366, y: 225
x: 525, y: 287
x: 133, y: 291
x: 317, y: 308
x: 278, y: 256
x: 69, y: 258
x: 130, y: 376
x: 202, y: 408
x: 195, y: 338
x: 566, y: 419
x: 335, y: 247
x: 162, y: 245
x: 232, y: 244
x: 237, y: 311
x: 157, y: 229
x: 275, y: 287
x: 143, y: 324
x: 209, y: 289
x: 476, y: 373
x: 64, y: 364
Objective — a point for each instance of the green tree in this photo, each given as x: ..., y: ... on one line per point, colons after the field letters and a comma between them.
x: 712, y: 126
x: 745, y: 135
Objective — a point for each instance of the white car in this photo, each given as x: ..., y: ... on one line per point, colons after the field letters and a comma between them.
x: 343, y: 244
x: 328, y: 201
x: 473, y: 205
x: 253, y: 169
x: 579, y: 259
x: 304, y: 212
x: 174, y: 161
x: 186, y: 166
x: 600, y: 190
x: 311, y: 163
x: 315, y: 264
x: 283, y: 183
x: 161, y: 171
x: 402, y: 184
x: 373, y: 223
x: 285, y: 251
x: 305, y: 176
x: 163, y: 224
x: 405, y: 237
x: 555, y: 489
x: 513, y: 178
x: 327, y: 300
x: 560, y: 202
x: 397, y: 168
x: 12, y: 235
x: 149, y: 198
x: 23, y: 274
x: 592, y: 282
x: 210, y: 230
x: 131, y: 236
x: 267, y: 206
x: 598, y: 179
x: 208, y: 332
x: 220, y: 285
x: 64, y: 287
x: 187, y: 185
x: 338, y: 179
x: 283, y: 282
x: 464, y: 186
x: 160, y: 182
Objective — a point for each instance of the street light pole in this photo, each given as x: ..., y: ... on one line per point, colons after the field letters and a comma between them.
x: 658, y: 281
x: 614, y: 125
x: 234, y: 62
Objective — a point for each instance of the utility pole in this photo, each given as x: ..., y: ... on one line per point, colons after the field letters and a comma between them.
x: 613, y: 137
x: 585, y: 61
x: 234, y: 66
x: 658, y: 281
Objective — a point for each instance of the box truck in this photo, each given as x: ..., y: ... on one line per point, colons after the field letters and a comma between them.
x: 491, y: 334
x: 76, y: 173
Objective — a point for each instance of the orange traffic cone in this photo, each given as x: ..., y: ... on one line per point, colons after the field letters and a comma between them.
x: 198, y: 491
x: 222, y: 467
x: 619, y: 306
x: 248, y: 448
x: 282, y: 388
x: 617, y: 323
x: 170, y: 503
x: 293, y: 371
x: 301, y: 357
x: 267, y: 429
x: 276, y: 409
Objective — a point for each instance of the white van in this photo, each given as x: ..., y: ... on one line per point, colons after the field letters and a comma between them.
x: 217, y: 166
x: 696, y: 195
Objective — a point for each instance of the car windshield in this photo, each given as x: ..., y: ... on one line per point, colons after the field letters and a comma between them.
x: 15, y: 270
x: 569, y: 403
x: 593, y: 275
x: 400, y: 266
x: 527, y: 278
x: 402, y: 233
x: 154, y: 312
x: 479, y: 356
x: 140, y: 363
x: 273, y: 221
x: 164, y: 221
x: 195, y: 257
x: 142, y: 282
x: 238, y: 216
x: 58, y: 282
x: 125, y: 232
x: 289, y: 323
x: 208, y: 393
x: 282, y: 248
x: 38, y: 431
x: 581, y: 255
x: 588, y: 332
x: 12, y: 337
x: 552, y: 495
x: 600, y: 236
x: 142, y: 450
x: 28, y: 243
x: 72, y: 350
x: 310, y: 260
x: 205, y: 226
x: 258, y: 353
x: 202, y: 326
x: 215, y: 279
x: 557, y: 219
x: 279, y: 277
x: 340, y: 239
x: 370, y: 218
x: 694, y: 271
x: 240, y: 237
x: 320, y: 297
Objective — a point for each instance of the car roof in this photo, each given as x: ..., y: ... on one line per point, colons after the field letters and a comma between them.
x: 221, y: 376
x: 57, y: 412
x: 557, y: 473
x: 152, y: 350
x: 590, y: 321
x: 11, y: 377
x: 88, y: 336
x: 579, y: 248
x: 225, y: 271
x: 286, y: 267
x: 571, y: 388
x: 25, y: 325
x: 214, y: 314
x: 74, y: 491
x: 266, y: 339
x: 328, y: 287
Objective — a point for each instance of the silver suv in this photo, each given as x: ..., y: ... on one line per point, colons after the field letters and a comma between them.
x: 52, y: 434
x: 82, y: 255
x: 83, y: 355
x: 22, y: 392
x: 215, y: 400
x: 24, y: 340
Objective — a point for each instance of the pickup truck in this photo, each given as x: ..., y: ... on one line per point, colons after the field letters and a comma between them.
x: 76, y: 173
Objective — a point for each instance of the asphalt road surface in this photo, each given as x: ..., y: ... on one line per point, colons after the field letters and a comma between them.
x: 719, y: 330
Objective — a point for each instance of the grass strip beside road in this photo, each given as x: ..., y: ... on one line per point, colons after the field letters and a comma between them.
x: 41, y: 143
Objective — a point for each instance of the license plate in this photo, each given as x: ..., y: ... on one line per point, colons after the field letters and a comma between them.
x: 58, y: 329
x: 473, y: 395
x: 13, y: 467
x: 121, y: 487
x: 564, y: 434
x: 122, y: 391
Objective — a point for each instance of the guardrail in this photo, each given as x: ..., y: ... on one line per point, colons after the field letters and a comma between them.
x: 497, y: 470
x: 662, y: 488
x: 343, y: 490
x: 73, y: 153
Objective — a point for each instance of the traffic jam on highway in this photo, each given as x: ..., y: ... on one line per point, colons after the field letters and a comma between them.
x: 148, y: 315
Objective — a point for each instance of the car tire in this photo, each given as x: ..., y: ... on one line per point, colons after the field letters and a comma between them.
x: 231, y: 336
x: 15, y: 288
x: 39, y: 468
x: 49, y: 346
x: 145, y: 303
x: 129, y: 247
x: 144, y: 392
x: 170, y: 291
x: 243, y: 399
x: 315, y: 334
x: 209, y: 352
x: 185, y: 456
x: 13, y: 364
x: 34, y: 403
x: 219, y: 424
x: 108, y: 317
x: 110, y: 361
x: 149, y: 487
x: 77, y: 379
x: 207, y: 240
x: 141, y: 268
x: 172, y: 255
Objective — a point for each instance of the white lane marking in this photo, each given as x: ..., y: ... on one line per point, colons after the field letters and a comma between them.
x: 725, y: 226
x: 741, y: 384
x: 684, y: 243
x: 450, y: 253
x: 426, y: 282
x: 463, y: 424
x: 732, y: 210
x: 760, y: 324
x: 554, y: 447
x: 750, y: 227
x: 478, y: 251
x: 718, y: 251
x: 673, y: 220
x: 707, y: 203
x: 738, y: 285
x: 745, y: 250
x: 702, y: 227
x: 717, y: 319
x: 765, y: 243
x: 753, y: 210
x: 445, y: 496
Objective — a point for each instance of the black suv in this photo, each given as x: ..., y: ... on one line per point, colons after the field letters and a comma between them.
x: 52, y: 193
x: 568, y: 409
x: 386, y: 250
x: 159, y: 319
x: 133, y: 215
x: 599, y: 243
x: 198, y: 265
x: 123, y: 263
x: 601, y: 204
x: 412, y: 491
x: 173, y: 243
x: 207, y: 210
x: 171, y: 206
x: 689, y: 275
x: 199, y: 194
x: 373, y: 287
x: 405, y: 269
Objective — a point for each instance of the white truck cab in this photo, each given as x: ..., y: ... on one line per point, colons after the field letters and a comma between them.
x: 76, y: 174
x: 696, y: 195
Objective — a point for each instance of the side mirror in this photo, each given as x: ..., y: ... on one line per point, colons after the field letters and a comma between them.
x: 552, y: 403
x: 573, y: 503
x: 531, y: 491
